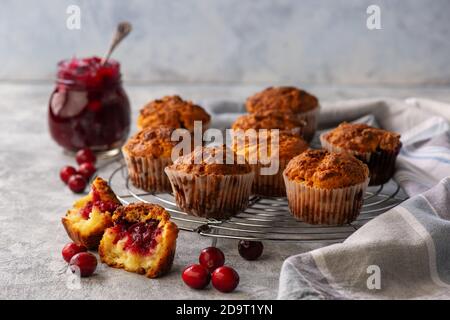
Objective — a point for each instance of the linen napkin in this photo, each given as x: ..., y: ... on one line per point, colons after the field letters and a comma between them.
x: 403, y: 253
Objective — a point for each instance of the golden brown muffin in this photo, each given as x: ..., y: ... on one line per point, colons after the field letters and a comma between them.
x: 378, y: 148
x: 303, y: 105
x: 363, y: 138
x: 142, y: 240
x: 210, y: 161
x: 91, y: 215
x: 151, y: 142
x: 146, y: 154
x: 258, y: 152
x: 210, y: 183
x: 322, y: 169
x: 269, y: 119
x: 282, y: 98
x: 172, y: 111
x: 324, y: 187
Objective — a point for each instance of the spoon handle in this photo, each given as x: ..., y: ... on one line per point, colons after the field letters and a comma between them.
x: 123, y: 29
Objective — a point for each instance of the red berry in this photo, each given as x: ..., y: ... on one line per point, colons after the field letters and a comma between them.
x: 211, y: 258
x: 225, y: 279
x: 77, y: 183
x: 84, y: 261
x: 66, y: 172
x: 87, y: 170
x: 196, y: 276
x: 250, y: 250
x: 85, y: 155
x: 72, y: 249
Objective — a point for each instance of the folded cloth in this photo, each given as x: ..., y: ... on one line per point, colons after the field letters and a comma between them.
x: 403, y: 253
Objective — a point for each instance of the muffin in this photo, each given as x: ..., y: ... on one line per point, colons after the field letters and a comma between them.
x: 142, y: 240
x: 270, y: 119
x: 325, y: 187
x: 91, y: 215
x: 258, y: 151
x: 288, y: 99
x: 210, y: 182
x: 172, y: 111
x: 146, y: 154
x: 376, y: 147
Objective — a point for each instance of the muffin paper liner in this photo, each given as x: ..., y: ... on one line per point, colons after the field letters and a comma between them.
x: 325, y: 206
x: 311, y: 118
x: 148, y: 173
x: 211, y: 196
x: 381, y: 163
x: 269, y: 185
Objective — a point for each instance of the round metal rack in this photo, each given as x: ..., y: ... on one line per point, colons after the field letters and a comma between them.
x: 265, y: 218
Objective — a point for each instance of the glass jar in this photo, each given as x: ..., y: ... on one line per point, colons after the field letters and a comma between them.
x: 89, y: 107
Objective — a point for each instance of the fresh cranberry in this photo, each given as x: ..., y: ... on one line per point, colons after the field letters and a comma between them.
x: 87, y: 170
x: 86, y: 262
x: 225, y: 279
x: 85, y: 155
x: 66, y: 172
x: 72, y: 249
x: 77, y: 183
x: 196, y: 276
x: 250, y: 250
x: 211, y: 258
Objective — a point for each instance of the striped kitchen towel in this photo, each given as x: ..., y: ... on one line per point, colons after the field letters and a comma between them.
x: 405, y: 252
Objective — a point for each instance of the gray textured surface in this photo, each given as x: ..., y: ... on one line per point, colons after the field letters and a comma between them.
x: 223, y: 41
x: 32, y: 201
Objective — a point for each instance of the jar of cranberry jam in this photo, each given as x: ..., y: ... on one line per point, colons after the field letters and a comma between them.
x: 89, y: 107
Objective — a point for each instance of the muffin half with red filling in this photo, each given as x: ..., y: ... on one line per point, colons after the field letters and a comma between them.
x: 91, y: 215
x: 142, y: 240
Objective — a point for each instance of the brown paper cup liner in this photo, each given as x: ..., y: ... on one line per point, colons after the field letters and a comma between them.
x: 311, y: 118
x: 325, y: 206
x: 148, y: 173
x: 381, y: 163
x: 211, y: 196
x: 269, y: 185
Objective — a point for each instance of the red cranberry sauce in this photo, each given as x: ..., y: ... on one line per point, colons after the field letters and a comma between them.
x: 89, y: 108
x: 141, y: 237
x: 96, y: 201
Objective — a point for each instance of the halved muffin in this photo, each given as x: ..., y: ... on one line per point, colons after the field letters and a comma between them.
x: 91, y: 215
x: 174, y: 112
x: 142, y: 240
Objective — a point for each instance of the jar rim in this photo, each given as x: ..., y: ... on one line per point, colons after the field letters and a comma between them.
x: 88, y: 72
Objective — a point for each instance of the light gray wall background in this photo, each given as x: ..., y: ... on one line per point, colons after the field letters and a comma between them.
x: 236, y: 41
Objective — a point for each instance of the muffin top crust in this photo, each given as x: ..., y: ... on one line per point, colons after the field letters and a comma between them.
x: 172, y: 111
x: 327, y: 170
x: 282, y: 98
x: 140, y: 212
x: 363, y: 138
x: 217, y: 160
x: 288, y: 146
x: 268, y: 119
x: 151, y: 143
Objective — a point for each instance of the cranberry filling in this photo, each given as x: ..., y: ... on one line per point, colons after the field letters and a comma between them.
x: 141, y: 236
x: 103, y: 206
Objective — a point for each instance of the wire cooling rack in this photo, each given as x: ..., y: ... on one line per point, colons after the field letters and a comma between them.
x: 265, y: 218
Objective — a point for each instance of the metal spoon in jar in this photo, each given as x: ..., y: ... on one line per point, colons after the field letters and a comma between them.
x: 123, y: 29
